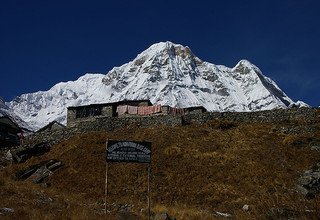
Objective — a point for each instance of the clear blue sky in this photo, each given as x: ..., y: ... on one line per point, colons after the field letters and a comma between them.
x: 46, y: 42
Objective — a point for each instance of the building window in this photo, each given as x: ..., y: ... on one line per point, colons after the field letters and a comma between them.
x: 88, y: 111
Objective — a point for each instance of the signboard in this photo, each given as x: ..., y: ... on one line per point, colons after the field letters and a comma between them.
x: 129, y: 151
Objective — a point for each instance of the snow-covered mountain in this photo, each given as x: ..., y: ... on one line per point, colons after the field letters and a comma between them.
x: 6, y: 111
x: 165, y: 73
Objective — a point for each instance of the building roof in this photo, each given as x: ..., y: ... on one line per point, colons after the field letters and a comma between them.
x: 196, y: 107
x: 50, y: 125
x: 110, y: 104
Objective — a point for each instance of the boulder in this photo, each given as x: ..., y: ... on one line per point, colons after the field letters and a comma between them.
x: 9, y: 156
x: 315, y: 147
x: 163, y: 216
x: 39, y: 172
x: 22, y: 154
x: 6, y: 211
x: 309, y: 183
x: 245, y: 208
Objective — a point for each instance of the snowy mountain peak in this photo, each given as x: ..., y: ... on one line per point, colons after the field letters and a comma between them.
x: 245, y: 66
x: 164, y: 50
x: 164, y: 60
x: 244, y: 62
x: 166, y: 74
x: 166, y: 47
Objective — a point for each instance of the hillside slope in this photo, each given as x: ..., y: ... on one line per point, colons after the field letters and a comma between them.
x: 195, y: 171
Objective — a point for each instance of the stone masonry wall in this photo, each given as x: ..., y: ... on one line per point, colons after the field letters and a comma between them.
x: 104, y: 124
x: 309, y: 115
x: 277, y: 115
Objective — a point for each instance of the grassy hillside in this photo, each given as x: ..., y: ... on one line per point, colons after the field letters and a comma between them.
x: 196, y: 171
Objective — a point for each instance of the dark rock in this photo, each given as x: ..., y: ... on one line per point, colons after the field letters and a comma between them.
x: 25, y: 174
x: 163, y: 216
x: 305, y: 180
x: 39, y: 172
x: 6, y: 211
x: 302, y: 190
x: 9, y: 156
x: 315, y: 147
x: 309, y: 183
x: 53, y: 165
x: 124, y: 212
x: 22, y: 154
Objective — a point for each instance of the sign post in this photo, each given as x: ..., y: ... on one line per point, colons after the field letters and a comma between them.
x: 129, y: 152
x: 149, y: 192
x: 106, y: 190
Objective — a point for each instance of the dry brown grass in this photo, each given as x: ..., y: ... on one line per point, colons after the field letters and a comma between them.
x: 196, y: 170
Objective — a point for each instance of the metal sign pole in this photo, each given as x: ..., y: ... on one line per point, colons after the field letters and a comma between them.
x: 149, y: 191
x: 106, y: 186
x: 106, y: 190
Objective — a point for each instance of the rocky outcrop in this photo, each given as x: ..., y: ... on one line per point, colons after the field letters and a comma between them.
x: 309, y: 182
x: 39, y: 172
x: 163, y: 216
x: 6, y: 211
x: 21, y: 154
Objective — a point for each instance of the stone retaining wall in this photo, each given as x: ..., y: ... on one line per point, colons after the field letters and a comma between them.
x: 307, y: 115
x: 271, y: 116
x: 104, y: 124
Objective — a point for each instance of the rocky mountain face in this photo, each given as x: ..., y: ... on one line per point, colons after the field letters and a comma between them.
x: 3, y: 105
x: 166, y: 74
x: 7, y: 112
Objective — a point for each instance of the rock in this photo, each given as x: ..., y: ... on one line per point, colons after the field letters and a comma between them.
x: 316, y: 147
x: 309, y: 183
x: 123, y: 208
x: 221, y: 214
x: 9, y: 156
x: 52, y: 165
x: 43, y: 199
x: 25, y: 174
x: 38, y: 172
x: 316, y: 175
x: 41, y: 173
x: 305, y: 180
x: 22, y: 154
x: 4, y: 211
x: 245, y: 208
x: 162, y: 216
x: 307, y: 172
x: 302, y: 190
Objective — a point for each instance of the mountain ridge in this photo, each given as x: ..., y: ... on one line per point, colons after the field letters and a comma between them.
x: 5, y: 111
x: 166, y: 74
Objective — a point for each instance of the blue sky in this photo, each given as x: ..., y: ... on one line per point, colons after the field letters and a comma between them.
x: 46, y: 42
